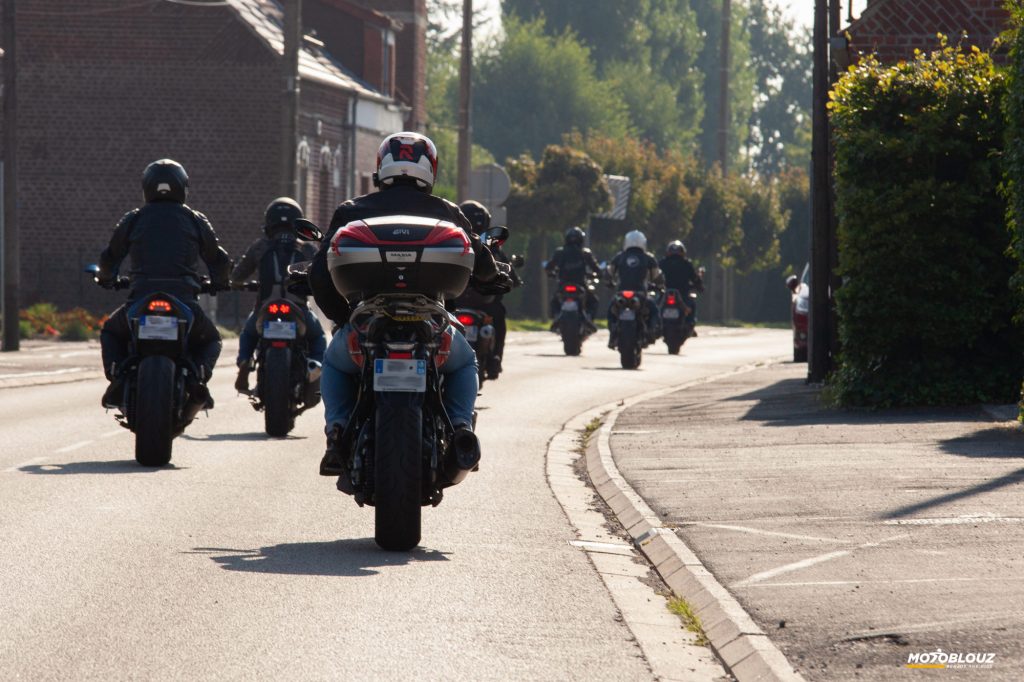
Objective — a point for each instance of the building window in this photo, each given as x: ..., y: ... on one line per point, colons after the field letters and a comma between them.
x: 302, y: 171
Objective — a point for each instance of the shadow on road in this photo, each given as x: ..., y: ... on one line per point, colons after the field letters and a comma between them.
x: 986, y: 487
x: 252, y: 436
x: 125, y: 466
x: 998, y: 441
x: 351, y: 558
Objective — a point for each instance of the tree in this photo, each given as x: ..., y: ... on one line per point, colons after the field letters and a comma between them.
x: 533, y: 88
x: 780, y: 121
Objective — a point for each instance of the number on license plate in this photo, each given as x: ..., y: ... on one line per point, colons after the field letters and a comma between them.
x: 627, y: 314
x: 400, y: 376
x: 471, y: 334
x: 158, y: 328
x: 279, y: 329
x: 570, y: 306
x: 671, y: 314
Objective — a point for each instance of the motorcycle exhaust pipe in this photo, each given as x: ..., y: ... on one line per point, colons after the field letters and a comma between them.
x: 463, y: 457
x: 312, y: 371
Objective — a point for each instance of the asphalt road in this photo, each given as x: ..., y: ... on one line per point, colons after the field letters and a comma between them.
x: 239, y: 561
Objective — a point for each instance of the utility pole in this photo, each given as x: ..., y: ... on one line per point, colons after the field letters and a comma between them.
x: 290, y: 121
x: 11, y: 242
x: 724, y: 121
x: 465, y: 94
x: 820, y: 344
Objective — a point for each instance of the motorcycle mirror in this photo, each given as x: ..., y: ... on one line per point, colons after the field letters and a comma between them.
x: 92, y: 269
x: 497, y: 235
x: 792, y: 282
x: 307, y: 230
x: 518, y: 261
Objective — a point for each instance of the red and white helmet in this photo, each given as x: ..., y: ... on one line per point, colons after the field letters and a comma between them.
x: 409, y: 155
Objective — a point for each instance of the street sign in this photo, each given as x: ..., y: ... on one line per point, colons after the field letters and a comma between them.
x: 489, y: 184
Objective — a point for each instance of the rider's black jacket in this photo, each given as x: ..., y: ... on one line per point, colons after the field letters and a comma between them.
x: 680, y: 274
x: 572, y: 264
x: 166, y: 241
x: 634, y: 269
x: 393, y: 200
x: 270, y: 257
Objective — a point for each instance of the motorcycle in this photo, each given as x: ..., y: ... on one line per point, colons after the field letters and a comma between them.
x: 287, y: 381
x: 675, y: 318
x: 573, y: 323
x: 630, y: 309
x: 157, y: 403
x: 400, y: 450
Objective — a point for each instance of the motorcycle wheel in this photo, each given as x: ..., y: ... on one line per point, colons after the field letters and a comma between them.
x: 629, y: 347
x: 799, y: 355
x: 675, y: 340
x: 570, y: 328
x: 398, y: 470
x: 154, y: 410
x: 275, y: 392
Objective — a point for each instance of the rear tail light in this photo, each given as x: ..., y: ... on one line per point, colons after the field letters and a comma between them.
x: 158, y: 305
x: 278, y: 344
x: 570, y: 289
x: 466, y: 320
x: 400, y: 356
x: 282, y: 308
x: 671, y: 300
x: 628, y: 294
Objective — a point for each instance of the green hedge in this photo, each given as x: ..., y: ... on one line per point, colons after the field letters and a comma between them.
x: 925, y: 310
x: 1014, y: 156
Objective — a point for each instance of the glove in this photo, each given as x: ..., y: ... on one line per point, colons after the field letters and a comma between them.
x: 105, y: 282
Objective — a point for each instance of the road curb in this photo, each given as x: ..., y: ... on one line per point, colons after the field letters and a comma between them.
x: 46, y: 378
x: 743, y: 647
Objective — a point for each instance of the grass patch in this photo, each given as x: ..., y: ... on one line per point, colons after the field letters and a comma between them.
x: 740, y: 324
x: 528, y: 324
x: 588, y: 432
x: 691, y: 621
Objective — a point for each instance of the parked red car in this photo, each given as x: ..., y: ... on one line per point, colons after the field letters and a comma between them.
x: 800, y: 310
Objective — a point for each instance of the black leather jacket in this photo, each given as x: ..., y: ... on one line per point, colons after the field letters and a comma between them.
x: 572, y: 264
x: 166, y: 241
x: 270, y: 257
x: 393, y: 200
x: 634, y: 269
x: 680, y: 274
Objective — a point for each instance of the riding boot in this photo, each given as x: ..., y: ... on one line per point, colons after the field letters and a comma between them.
x: 331, y: 463
x: 242, y: 380
x: 113, y: 397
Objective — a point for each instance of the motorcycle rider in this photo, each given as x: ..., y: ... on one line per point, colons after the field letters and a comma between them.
x: 634, y: 269
x: 165, y: 239
x: 271, y: 255
x: 683, y: 277
x: 480, y: 218
x: 406, y: 173
x: 573, y: 263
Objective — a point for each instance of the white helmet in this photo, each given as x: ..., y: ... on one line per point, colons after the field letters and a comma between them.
x: 408, y: 155
x: 634, y: 239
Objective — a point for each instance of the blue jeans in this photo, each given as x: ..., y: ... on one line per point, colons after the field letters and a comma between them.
x: 339, y: 381
x: 316, y: 344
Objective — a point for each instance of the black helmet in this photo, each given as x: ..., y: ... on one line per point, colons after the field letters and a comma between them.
x: 575, y: 236
x: 478, y: 215
x: 165, y: 180
x: 281, y: 213
x: 676, y: 248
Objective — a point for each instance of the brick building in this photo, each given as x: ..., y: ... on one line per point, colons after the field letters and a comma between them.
x: 893, y: 29
x: 105, y: 87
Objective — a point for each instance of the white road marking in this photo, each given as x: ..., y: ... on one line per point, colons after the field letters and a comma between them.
x: 54, y: 372
x: 812, y: 561
x: 758, y: 531
x: 111, y: 434
x: 17, y: 467
x: 815, y: 583
x: 954, y: 521
x: 74, y: 446
x: 76, y: 353
x: 908, y: 628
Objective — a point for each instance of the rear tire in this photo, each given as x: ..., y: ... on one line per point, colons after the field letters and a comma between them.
x: 276, y: 392
x: 154, y: 411
x: 398, y: 471
x: 570, y: 328
x: 629, y: 349
x: 799, y: 355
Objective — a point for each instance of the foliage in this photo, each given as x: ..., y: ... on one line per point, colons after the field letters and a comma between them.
x: 563, y: 190
x: 779, y: 130
x: 532, y: 88
x: 925, y: 313
x: 43, y: 319
x: 1013, y: 104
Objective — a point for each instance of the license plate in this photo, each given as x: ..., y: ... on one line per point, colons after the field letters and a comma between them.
x: 279, y: 329
x: 400, y: 376
x: 472, y: 333
x: 627, y: 314
x: 671, y: 314
x: 158, y: 328
x: 570, y: 306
